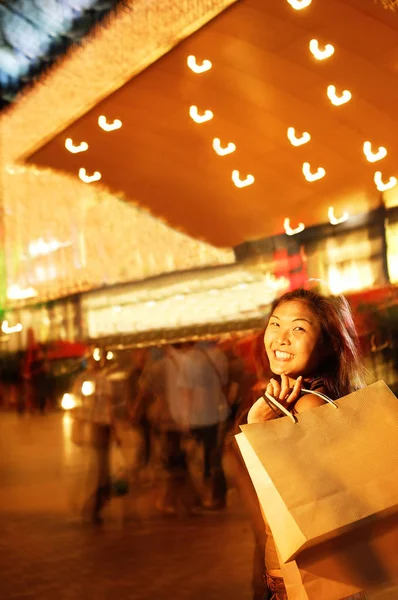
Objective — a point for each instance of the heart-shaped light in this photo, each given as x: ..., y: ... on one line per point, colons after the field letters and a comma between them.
x: 241, y: 183
x: 194, y: 114
x: 338, y: 100
x: 82, y: 147
x: 96, y: 176
x: 103, y: 123
x: 310, y: 176
x: 381, y: 186
x: 297, y: 141
x: 192, y: 63
x: 299, y: 4
x: 374, y: 156
x: 333, y: 219
x: 14, y: 329
x: 223, y: 151
x: 319, y: 54
x: 289, y: 230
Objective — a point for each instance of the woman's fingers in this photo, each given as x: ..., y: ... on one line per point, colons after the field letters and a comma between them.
x: 275, y: 389
x: 295, y: 393
x: 284, y: 390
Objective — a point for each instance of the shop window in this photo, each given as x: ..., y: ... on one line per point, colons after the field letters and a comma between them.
x: 347, y: 262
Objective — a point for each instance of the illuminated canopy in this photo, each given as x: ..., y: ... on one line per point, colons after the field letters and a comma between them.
x: 253, y: 74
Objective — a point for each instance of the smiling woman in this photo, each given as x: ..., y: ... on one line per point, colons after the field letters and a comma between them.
x: 311, y: 344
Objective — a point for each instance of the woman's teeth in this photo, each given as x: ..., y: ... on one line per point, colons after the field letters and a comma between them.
x: 282, y: 355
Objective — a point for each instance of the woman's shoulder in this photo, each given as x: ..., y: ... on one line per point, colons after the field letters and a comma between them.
x: 308, y: 400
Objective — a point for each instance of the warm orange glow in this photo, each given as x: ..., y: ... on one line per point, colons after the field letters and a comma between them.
x: 344, y: 97
x: 68, y: 402
x: 192, y: 63
x: 334, y: 220
x: 223, y: 151
x: 82, y: 147
x: 310, y: 176
x: 319, y: 54
x: 289, y: 230
x: 297, y: 141
x: 392, y: 251
x: 381, y: 186
x: 96, y: 176
x: 299, y: 4
x: 241, y: 183
x: 103, y: 123
x: 200, y: 118
x: 374, y: 156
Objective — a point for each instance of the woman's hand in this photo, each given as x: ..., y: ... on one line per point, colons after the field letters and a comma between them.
x: 282, y: 391
x: 261, y: 411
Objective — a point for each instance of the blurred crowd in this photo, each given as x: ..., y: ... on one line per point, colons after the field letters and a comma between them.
x: 173, y: 397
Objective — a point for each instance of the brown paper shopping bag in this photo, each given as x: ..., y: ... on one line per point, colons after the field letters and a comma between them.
x: 361, y: 560
x: 332, y: 471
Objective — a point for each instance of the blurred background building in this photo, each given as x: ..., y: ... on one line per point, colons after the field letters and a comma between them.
x: 168, y: 170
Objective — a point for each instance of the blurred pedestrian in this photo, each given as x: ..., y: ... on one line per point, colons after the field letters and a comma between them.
x: 203, y: 380
x: 38, y: 380
x: 167, y: 414
x: 93, y: 391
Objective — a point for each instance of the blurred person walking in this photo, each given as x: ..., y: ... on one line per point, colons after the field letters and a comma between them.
x: 167, y: 414
x: 203, y: 381
x: 93, y: 391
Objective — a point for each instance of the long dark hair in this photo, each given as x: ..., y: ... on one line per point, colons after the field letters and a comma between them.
x: 341, y: 370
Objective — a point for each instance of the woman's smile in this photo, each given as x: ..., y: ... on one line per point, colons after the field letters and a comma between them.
x: 283, y: 356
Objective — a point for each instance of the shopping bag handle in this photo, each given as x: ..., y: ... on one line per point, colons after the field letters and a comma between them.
x: 291, y: 415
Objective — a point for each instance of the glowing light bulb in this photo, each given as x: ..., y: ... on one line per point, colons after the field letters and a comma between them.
x: 299, y: 4
x: 109, y: 355
x: 334, y: 220
x: 381, y: 186
x: 228, y: 149
x: 7, y: 329
x: 68, y: 402
x: 289, y: 230
x: 338, y: 100
x: 192, y: 63
x: 96, y: 176
x: 88, y: 388
x: 319, y: 54
x: 194, y: 114
x: 82, y: 147
x: 103, y: 123
x: 96, y: 354
x: 297, y: 141
x: 241, y: 183
x: 14, y: 292
x: 374, y: 156
x: 319, y: 173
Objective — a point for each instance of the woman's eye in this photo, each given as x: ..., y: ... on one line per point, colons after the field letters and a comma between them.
x: 299, y: 329
x: 274, y: 324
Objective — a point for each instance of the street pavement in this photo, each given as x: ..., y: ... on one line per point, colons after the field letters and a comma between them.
x: 47, y: 553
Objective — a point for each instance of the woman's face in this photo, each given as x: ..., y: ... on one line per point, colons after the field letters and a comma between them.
x: 292, y: 339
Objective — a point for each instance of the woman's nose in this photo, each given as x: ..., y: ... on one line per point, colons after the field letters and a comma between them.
x: 283, y: 337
